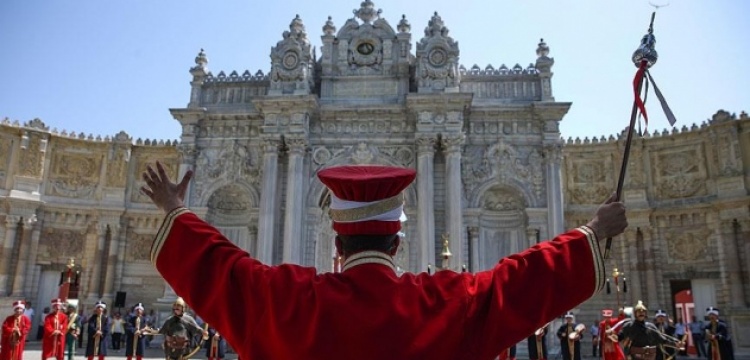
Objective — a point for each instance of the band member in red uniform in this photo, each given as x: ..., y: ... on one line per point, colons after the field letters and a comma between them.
x: 15, y: 329
x: 55, y: 326
x: 537, y: 343
x: 608, y: 343
x: 367, y: 311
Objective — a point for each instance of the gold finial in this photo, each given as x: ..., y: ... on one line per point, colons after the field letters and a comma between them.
x: 446, y: 246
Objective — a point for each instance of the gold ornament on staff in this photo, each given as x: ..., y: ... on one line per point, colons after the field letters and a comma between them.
x: 97, y: 335
x: 136, y: 333
x: 446, y: 254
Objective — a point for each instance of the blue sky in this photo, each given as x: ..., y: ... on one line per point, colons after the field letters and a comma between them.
x: 104, y: 66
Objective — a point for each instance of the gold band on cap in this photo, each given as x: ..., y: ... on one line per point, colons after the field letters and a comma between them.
x: 367, y: 211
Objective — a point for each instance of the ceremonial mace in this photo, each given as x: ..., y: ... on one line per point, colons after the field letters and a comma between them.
x: 644, y: 58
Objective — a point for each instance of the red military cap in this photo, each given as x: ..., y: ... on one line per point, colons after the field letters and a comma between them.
x: 366, y: 200
x: 607, y: 313
x: 19, y: 304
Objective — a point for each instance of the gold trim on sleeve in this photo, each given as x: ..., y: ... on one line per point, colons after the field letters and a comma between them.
x: 599, y: 271
x: 161, y: 235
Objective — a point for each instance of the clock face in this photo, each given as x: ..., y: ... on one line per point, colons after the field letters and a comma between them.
x: 290, y: 60
x: 437, y: 57
x: 365, y: 48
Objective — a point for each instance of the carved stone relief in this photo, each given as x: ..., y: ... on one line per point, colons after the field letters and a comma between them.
x: 364, y: 153
x: 117, y: 168
x: 290, y: 60
x: 170, y: 166
x: 362, y: 127
x: 726, y: 154
x: 30, y: 162
x: 63, y: 244
x: 74, y: 175
x: 499, y: 199
x: 5, y: 152
x: 230, y: 200
x: 505, y: 163
x: 437, y: 58
x: 679, y: 172
x: 139, y: 246
x: 635, y: 176
x: 588, y: 180
x: 232, y: 162
x: 688, y: 244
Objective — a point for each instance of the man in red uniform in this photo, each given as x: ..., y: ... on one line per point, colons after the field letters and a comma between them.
x: 609, y: 344
x: 15, y: 329
x: 55, y: 325
x: 368, y: 311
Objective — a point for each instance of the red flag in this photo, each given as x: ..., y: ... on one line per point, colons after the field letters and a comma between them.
x: 637, y: 82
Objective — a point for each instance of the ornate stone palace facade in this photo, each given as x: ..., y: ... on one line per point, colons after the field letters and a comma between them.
x: 494, y: 175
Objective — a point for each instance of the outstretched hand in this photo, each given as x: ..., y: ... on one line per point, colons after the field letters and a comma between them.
x: 165, y: 194
x: 609, y: 220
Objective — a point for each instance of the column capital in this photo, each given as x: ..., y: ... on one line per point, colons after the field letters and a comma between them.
x: 12, y: 221
x: 452, y: 143
x: 296, y: 146
x: 473, y: 231
x: 271, y: 145
x: 426, y: 143
x: 188, y: 153
x: 553, y: 153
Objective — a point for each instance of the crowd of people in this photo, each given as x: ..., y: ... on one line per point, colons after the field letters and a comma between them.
x: 634, y: 337
x: 367, y: 310
x: 64, y: 328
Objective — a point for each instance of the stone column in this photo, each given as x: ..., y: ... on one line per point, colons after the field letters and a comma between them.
x: 11, y: 226
x: 110, y: 253
x: 453, y: 204
x: 31, y: 259
x: 728, y: 261
x: 95, y: 287
x: 425, y: 200
x: 294, y: 201
x: 187, y: 162
x: 634, y: 266
x: 19, y: 273
x: 649, y: 267
x: 121, y: 251
x: 267, y: 211
x: 474, y: 241
x: 555, y: 206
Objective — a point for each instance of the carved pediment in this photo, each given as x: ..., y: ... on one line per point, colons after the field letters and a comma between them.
x: 503, y: 163
x: 437, y: 58
x: 371, y: 47
x: 291, y: 62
